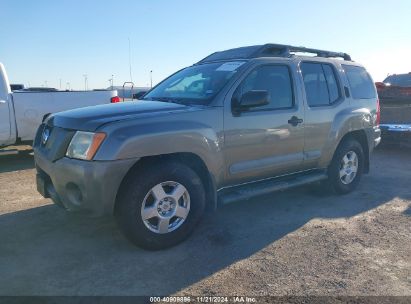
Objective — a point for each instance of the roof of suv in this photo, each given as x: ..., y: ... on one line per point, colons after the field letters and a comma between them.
x: 269, y: 50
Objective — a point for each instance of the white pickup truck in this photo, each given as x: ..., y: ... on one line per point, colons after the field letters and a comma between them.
x: 21, y: 112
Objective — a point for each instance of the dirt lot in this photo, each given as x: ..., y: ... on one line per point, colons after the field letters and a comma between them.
x: 292, y: 243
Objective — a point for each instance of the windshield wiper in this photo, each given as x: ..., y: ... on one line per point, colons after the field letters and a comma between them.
x: 165, y: 99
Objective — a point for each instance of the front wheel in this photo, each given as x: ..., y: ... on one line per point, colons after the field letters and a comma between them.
x: 160, y: 206
x: 346, y: 167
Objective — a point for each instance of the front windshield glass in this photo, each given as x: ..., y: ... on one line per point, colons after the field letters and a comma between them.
x: 196, y: 84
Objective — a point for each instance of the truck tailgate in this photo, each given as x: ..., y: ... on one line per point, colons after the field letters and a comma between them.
x: 396, y: 121
x: 395, y: 113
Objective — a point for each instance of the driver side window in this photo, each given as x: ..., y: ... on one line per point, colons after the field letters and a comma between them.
x: 276, y: 80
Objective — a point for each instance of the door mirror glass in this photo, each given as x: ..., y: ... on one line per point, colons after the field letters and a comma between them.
x: 253, y: 99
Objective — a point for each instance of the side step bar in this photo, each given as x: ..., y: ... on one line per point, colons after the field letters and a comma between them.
x: 247, y: 191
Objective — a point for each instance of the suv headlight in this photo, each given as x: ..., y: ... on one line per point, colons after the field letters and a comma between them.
x: 84, y: 145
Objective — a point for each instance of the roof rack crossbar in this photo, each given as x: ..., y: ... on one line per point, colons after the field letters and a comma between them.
x: 286, y: 51
x: 270, y: 50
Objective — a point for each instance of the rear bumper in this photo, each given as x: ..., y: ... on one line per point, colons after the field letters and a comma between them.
x: 89, y: 186
x: 396, y: 133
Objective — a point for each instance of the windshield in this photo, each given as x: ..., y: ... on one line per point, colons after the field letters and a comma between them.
x: 196, y: 84
x: 401, y: 80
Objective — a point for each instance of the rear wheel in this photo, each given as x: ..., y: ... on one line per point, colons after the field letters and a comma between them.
x: 347, y: 166
x: 160, y: 206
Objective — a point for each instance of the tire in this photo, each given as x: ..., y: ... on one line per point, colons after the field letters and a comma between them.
x: 141, y: 191
x: 350, y: 150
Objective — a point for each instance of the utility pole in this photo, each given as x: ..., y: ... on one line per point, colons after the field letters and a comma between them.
x: 111, y: 81
x: 85, y: 82
x: 151, y: 79
x: 129, y: 58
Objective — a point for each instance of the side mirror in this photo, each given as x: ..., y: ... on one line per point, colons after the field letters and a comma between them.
x: 252, y: 99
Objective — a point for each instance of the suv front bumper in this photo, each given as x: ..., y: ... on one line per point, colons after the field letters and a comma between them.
x: 77, y: 185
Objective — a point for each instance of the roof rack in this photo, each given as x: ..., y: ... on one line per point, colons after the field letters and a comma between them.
x: 270, y: 50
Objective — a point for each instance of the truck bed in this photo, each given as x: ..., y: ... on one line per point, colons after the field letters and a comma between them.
x: 31, y: 107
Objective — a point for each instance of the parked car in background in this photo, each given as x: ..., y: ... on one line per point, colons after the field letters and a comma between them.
x: 16, y: 87
x: 22, y: 111
x: 237, y: 124
x: 395, y: 101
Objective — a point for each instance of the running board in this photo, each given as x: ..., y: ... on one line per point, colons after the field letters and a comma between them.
x: 9, y: 152
x: 243, y: 192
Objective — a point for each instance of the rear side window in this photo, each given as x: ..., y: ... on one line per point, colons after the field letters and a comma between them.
x: 360, y: 82
x: 331, y: 82
x: 321, y: 86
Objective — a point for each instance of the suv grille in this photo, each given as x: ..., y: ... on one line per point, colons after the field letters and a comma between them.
x: 52, y: 141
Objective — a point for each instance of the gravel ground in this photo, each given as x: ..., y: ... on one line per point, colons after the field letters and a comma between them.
x: 297, y: 242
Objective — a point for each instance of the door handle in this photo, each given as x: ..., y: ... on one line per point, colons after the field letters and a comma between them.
x: 294, y: 121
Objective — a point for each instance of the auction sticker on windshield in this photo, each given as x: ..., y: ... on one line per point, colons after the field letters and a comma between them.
x: 230, y: 66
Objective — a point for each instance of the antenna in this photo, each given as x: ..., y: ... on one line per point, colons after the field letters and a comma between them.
x: 129, y: 58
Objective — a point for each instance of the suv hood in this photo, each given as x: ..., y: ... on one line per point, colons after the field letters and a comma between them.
x: 90, y: 118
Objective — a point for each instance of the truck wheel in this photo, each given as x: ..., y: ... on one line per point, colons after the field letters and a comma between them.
x: 347, y: 166
x: 159, y: 206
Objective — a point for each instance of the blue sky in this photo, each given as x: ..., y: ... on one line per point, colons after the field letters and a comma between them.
x: 48, y: 40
